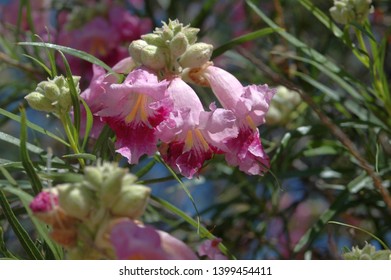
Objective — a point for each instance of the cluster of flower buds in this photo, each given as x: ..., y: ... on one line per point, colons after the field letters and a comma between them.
x: 283, y: 104
x: 172, y: 48
x: 368, y: 252
x: 347, y: 11
x: 82, y: 214
x: 53, y: 96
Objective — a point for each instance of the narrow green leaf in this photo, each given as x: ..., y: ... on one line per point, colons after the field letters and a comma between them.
x: 40, y: 63
x: 322, y: 17
x: 320, y: 151
x: 183, y: 186
x: 50, y: 55
x: 320, y: 86
x: 81, y: 155
x: 89, y: 123
x: 242, y: 39
x: 26, y: 161
x: 3, y: 247
x: 15, y: 141
x: 80, y: 54
x: 203, y: 14
x: 62, y: 177
x: 146, y: 169
x: 74, y: 96
x: 24, y: 238
x: 102, y: 144
x: 311, y: 234
x: 32, y: 126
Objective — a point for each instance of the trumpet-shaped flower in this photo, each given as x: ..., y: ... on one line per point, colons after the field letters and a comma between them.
x: 136, y: 242
x: 249, y: 105
x: 133, y: 109
x: 191, y: 135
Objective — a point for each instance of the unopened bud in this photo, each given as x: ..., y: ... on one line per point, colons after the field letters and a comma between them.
x: 135, y: 49
x: 196, y: 55
x: 39, y: 102
x: 191, y: 34
x: 179, y: 44
x: 53, y: 96
x: 111, y: 186
x: 131, y: 202
x: 153, y: 57
x: 346, y: 11
x: 76, y: 200
x: 153, y: 39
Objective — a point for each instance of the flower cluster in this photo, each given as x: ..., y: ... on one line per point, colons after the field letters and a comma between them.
x: 156, y: 110
x: 98, y: 218
x: 53, y: 95
x: 347, y: 11
x: 368, y: 252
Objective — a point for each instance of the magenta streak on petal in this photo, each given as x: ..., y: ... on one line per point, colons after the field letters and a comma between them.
x: 246, y: 151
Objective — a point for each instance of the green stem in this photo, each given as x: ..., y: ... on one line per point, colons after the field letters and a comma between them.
x: 68, y: 131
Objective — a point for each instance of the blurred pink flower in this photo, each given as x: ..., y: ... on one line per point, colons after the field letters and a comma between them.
x: 106, y: 37
x: 44, y: 202
x: 133, y: 110
x: 210, y: 249
x: 136, y: 242
x: 191, y: 135
x: 40, y: 13
x: 128, y: 26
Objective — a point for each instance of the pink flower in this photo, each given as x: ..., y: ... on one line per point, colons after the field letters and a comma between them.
x: 136, y: 242
x: 190, y: 135
x: 106, y: 36
x: 40, y: 15
x: 133, y: 110
x: 249, y: 105
x: 210, y: 249
x: 128, y: 26
x: 98, y: 38
x: 97, y: 95
x: 44, y: 202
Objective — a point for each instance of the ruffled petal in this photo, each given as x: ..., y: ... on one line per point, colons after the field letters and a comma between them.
x: 246, y: 152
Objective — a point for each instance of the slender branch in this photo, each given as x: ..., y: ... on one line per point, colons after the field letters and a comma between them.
x: 337, y: 131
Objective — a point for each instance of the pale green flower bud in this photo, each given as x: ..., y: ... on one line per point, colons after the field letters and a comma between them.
x: 131, y: 202
x: 196, y: 55
x: 93, y: 177
x: 282, y: 105
x: 191, y: 34
x: 154, y: 39
x: 179, y: 44
x: 167, y: 34
x: 135, y: 49
x: 75, y: 200
x: 111, y: 186
x: 368, y: 252
x: 153, y: 57
x: 346, y: 11
x: 54, y: 95
x: 39, y: 102
x: 51, y: 90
